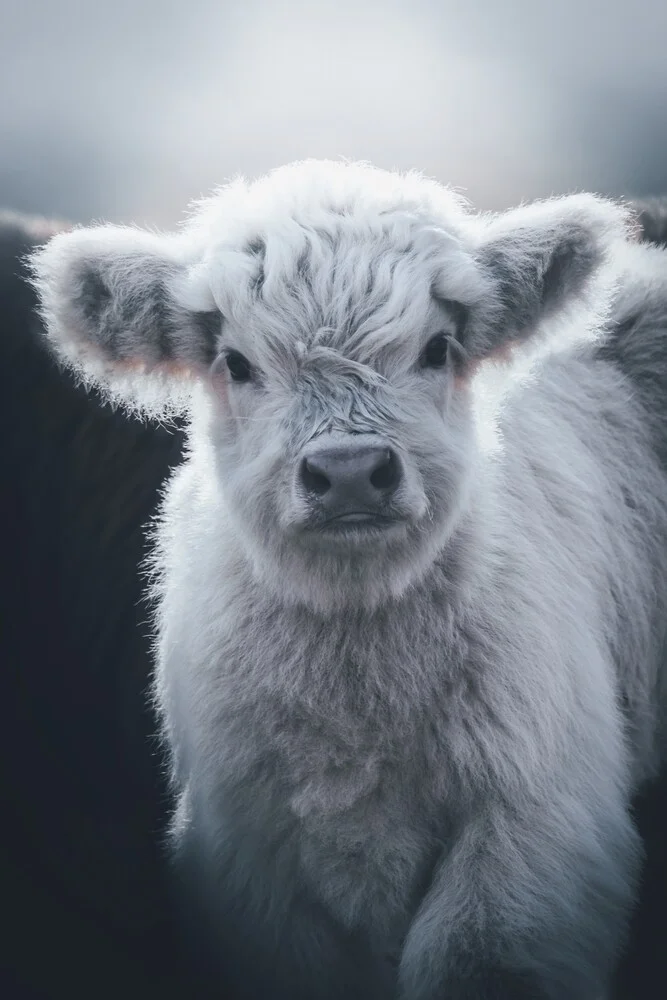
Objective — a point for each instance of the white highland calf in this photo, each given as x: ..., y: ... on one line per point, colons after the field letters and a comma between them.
x: 409, y: 633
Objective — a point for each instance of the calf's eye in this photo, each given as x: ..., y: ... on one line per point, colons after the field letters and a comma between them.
x: 239, y: 367
x: 436, y: 352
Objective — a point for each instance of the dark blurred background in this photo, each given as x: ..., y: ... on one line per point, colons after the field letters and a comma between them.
x: 126, y: 109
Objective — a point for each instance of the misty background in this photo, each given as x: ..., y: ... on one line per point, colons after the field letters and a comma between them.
x: 125, y: 110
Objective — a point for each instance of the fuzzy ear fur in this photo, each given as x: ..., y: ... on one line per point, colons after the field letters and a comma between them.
x: 110, y: 298
x: 540, y: 259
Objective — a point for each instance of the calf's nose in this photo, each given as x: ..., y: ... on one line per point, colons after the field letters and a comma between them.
x: 353, y: 477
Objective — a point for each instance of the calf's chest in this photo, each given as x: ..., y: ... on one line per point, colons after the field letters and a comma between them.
x: 362, y: 814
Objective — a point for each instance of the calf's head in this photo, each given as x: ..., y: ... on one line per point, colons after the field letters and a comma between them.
x: 322, y: 326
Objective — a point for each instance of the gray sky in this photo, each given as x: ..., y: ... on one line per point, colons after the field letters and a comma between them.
x: 127, y: 109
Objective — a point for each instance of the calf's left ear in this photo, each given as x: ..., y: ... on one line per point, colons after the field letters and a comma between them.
x: 537, y: 260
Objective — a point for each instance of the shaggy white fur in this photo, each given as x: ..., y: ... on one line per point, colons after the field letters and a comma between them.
x: 404, y: 750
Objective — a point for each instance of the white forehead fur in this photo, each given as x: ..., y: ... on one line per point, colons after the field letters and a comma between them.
x: 406, y: 229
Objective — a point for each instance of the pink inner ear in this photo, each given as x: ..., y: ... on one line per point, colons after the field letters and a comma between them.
x: 177, y: 369
x: 504, y: 351
x: 502, y: 355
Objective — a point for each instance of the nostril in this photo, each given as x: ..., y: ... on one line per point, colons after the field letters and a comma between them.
x: 313, y: 479
x: 387, y: 475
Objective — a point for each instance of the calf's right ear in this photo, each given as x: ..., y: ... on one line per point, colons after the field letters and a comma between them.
x: 111, y: 298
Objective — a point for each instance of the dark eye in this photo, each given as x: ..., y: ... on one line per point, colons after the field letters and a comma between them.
x: 239, y: 367
x: 436, y: 352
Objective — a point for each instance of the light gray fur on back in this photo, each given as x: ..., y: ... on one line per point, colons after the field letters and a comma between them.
x: 404, y: 759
